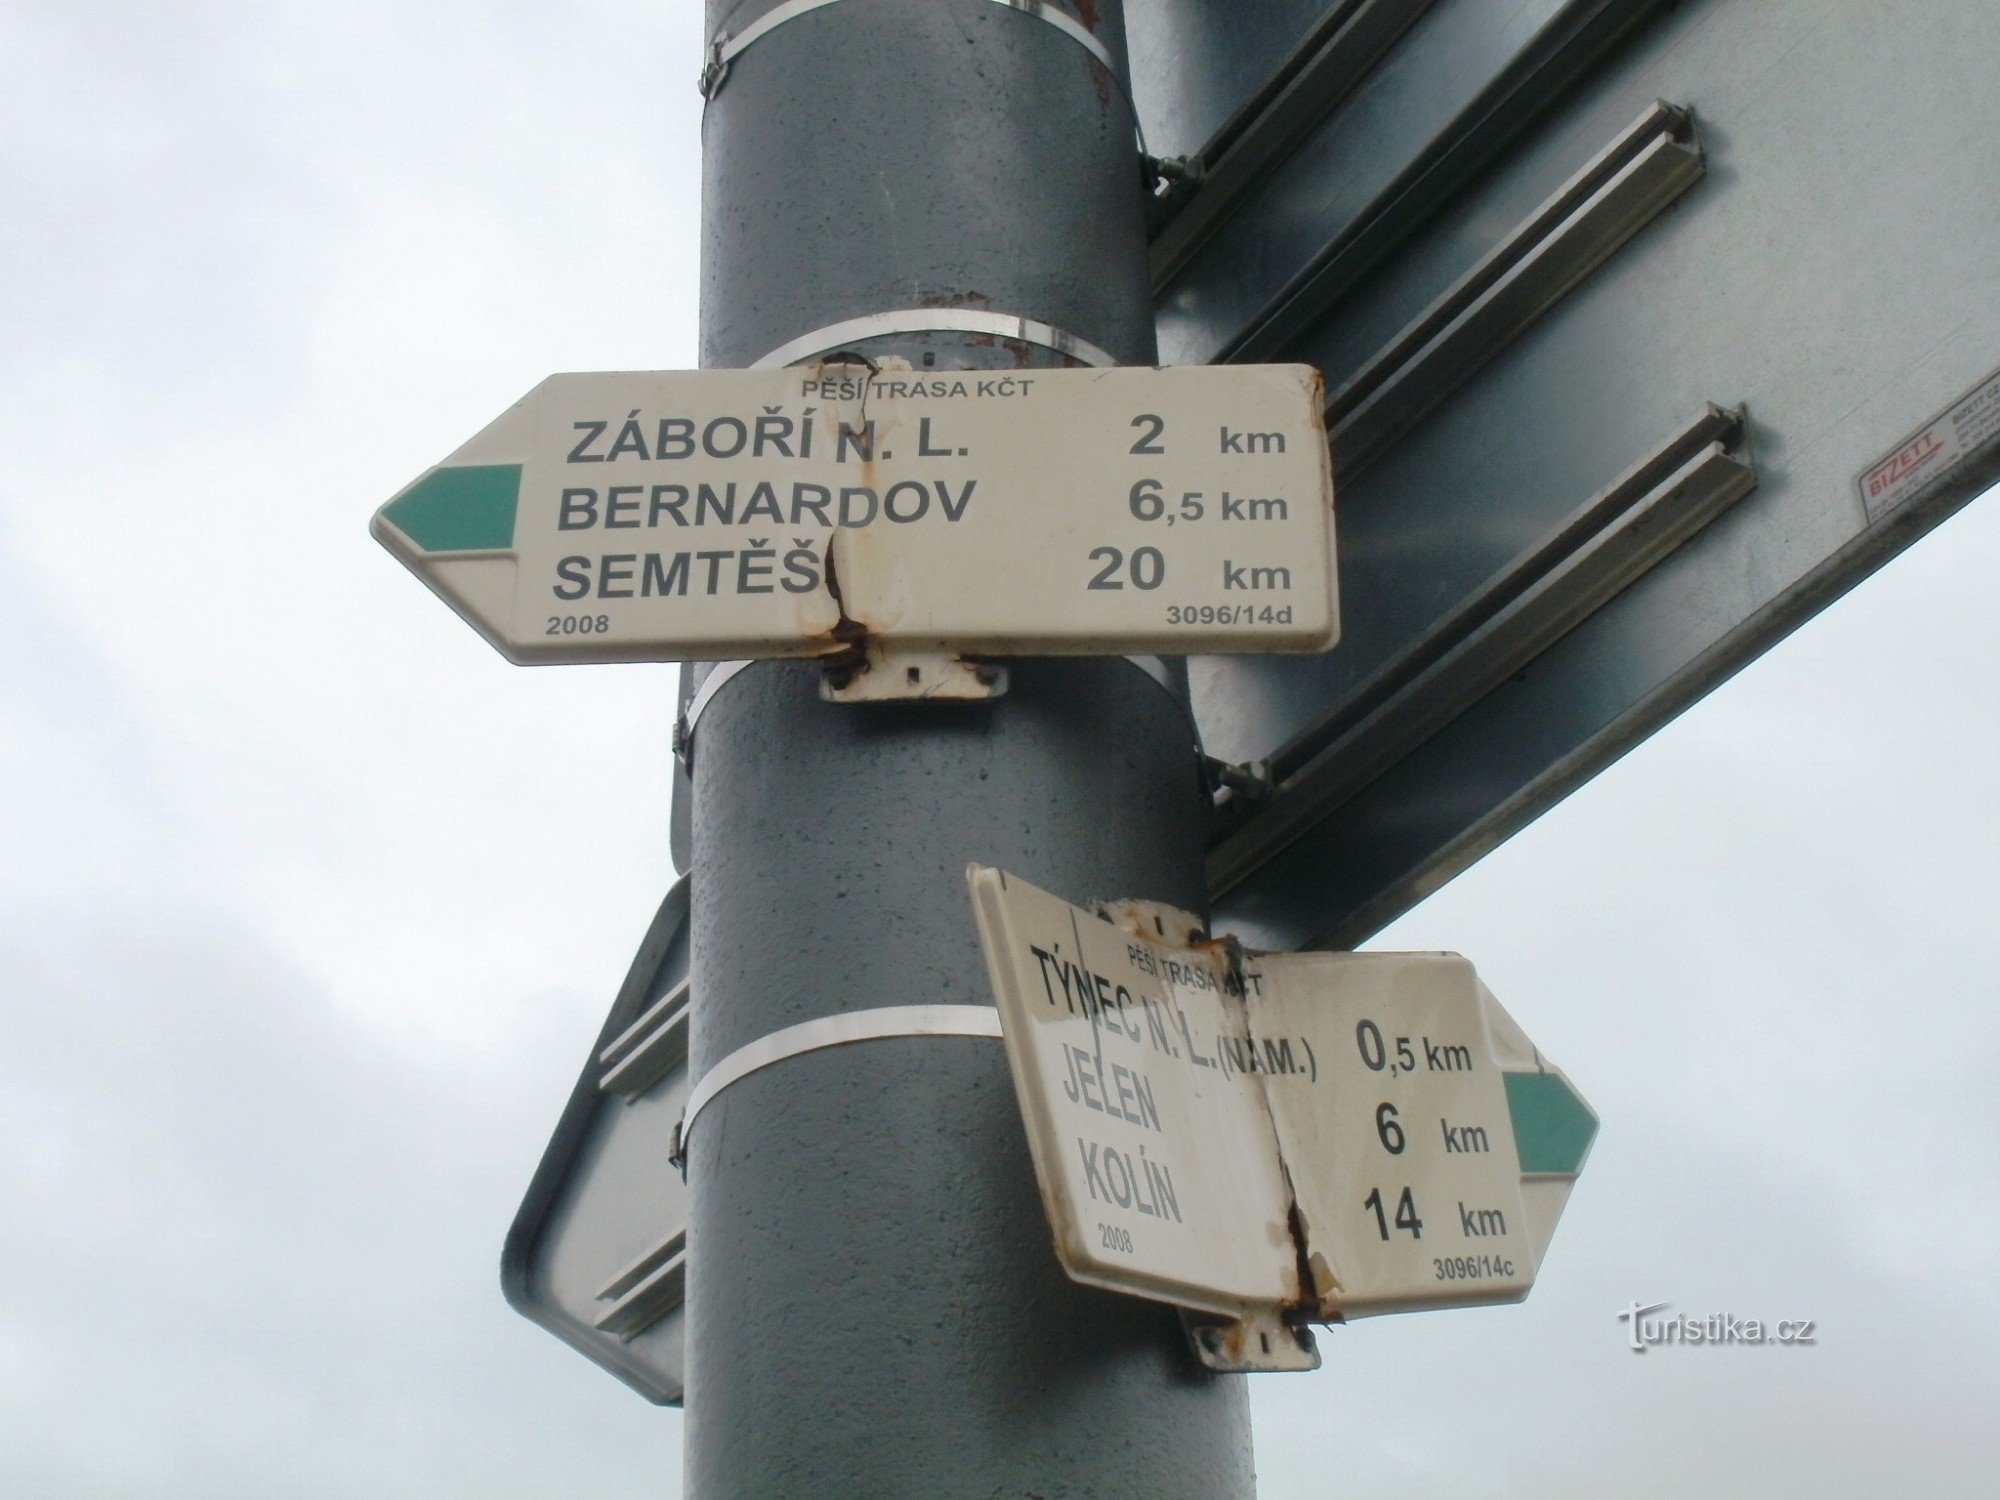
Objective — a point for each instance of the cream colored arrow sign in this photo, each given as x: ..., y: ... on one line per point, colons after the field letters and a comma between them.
x: 1317, y: 1135
x: 707, y: 514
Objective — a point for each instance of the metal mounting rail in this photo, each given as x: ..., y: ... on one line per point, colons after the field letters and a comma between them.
x: 571, y: 1217
x: 649, y: 1049
x: 646, y: 1290
x: 1560, y: 53
x: 1588, y: 560
x: 1308, y: 86
x: 1617, y: 192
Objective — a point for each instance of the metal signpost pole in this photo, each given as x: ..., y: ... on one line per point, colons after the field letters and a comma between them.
x: 873, y: 1306
x: 1521, y: 307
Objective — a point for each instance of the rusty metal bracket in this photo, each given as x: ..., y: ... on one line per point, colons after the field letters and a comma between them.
x: 836, y: 337
x: 1154, y: 920
x: 830, y: 1031
x: 1259, y: 1342
x: 724, y: 48
x: 886, y: 674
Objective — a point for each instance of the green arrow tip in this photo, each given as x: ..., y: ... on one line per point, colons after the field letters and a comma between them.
x: 465, y: 509
x: 1553, y: 1128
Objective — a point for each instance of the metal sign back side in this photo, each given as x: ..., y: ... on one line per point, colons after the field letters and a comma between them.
x: 1647, y: 331
x: 597, y: 1251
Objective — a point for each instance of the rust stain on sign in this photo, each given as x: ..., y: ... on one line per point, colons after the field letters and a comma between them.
x: 847, y: 641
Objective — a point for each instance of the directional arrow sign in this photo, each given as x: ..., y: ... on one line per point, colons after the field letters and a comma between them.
x: 1321, y: 1134
x: 1430, y: 1147
x: 698, y: 515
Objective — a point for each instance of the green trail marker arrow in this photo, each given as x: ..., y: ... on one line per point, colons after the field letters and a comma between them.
x: 1553, y: 1128
x: 467, y: 508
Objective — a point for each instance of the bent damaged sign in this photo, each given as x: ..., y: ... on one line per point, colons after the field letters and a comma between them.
x: 1284, y: 1136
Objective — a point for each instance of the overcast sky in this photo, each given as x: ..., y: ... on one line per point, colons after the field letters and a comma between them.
x: 310, y: 905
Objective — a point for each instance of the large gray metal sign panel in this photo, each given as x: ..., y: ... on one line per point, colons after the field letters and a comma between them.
x: 597, y: 1253
x: 1647, y: 331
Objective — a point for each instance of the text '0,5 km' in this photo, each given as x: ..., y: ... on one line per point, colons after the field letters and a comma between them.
x: 703, y: 514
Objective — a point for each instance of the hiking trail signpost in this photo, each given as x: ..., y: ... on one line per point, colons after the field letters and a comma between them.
x: 1606, y: 423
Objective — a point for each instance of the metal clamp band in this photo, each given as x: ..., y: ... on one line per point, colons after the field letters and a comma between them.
x: 833, y: 1031
x: 723, y: 49
x: 718, y: 674
x: 932, y: 320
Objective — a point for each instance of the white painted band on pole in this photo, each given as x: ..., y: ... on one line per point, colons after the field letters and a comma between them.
x: 836, y: 1031
x: 724, y: 48
x: 836, y: 336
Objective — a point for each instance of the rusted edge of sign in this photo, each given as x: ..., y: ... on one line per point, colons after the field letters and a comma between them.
x: 1273, y: 1339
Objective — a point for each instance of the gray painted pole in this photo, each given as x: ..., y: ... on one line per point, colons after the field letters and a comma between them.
x: 875, y: 1309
